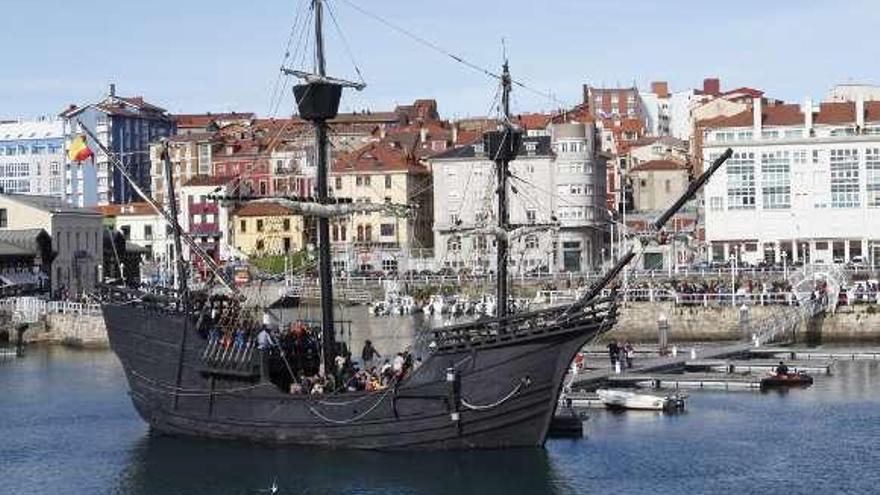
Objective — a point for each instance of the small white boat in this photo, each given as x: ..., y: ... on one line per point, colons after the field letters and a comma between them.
x: 620, y: 399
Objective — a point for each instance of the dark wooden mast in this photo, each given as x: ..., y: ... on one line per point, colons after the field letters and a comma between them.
x: 318, y: 101
x: 503, y: 146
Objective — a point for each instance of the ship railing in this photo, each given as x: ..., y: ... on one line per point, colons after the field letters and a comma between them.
x: 528, y: 324
x: 706, y: 299
x: 31, y: 309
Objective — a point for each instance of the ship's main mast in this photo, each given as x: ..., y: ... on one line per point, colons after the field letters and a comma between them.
x: 318, y: 101
x: 503, y: 146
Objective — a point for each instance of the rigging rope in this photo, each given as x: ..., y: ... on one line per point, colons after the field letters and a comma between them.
x: 437, y: 48
x: 524, y: 382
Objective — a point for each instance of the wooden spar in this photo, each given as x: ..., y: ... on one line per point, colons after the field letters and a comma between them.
x: 172, y: 221
x: 658, y: 224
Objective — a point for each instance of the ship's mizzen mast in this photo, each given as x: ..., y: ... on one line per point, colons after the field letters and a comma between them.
x: 503, y: 146
x: 318, y: 101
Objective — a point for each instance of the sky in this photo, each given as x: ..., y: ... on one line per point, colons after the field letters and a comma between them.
x: 193, y: 56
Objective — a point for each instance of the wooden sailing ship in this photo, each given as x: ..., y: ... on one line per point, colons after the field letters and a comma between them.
x: 492, y: 383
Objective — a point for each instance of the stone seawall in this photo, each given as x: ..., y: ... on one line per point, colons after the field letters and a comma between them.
x: 69, y: 329
x: 638, y: 322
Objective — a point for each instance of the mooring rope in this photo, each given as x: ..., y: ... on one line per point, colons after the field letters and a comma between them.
x: 524, y: 382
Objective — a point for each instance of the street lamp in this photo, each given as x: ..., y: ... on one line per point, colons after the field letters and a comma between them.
x: 785, y: 264
x: 734, y: 258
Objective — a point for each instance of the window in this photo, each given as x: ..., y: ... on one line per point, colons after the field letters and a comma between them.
x: 259, y: 225
x: 776, y: 180
x: 367, y: 180
x: 668, y: 185
x: 716, y: 203
x: 243, y: 226
x: 531, y: 216
x: 358, y: 181
x: 368, y: 233
x: 387, y: 182
x: 454, y: 219
x: 386, y: 229
x: 334, y: 230
x: 481, y: 244
x: 453, y: 244
x: 389, y: 265
x: 287, y: 244
x: 148, y: 232
x: 845, y: 178
x: 741, y: 181
x: 532, y: 242
x: 260, y: 245
x: 126, y: 232
x: 4, y: 220
x: 286, y: 224
x: 338, y: 183
x: 872, y: 176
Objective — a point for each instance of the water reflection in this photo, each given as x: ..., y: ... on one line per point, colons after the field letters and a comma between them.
x: 168, y: 465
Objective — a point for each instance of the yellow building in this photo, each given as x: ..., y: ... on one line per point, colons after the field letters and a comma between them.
x: 263, y: 229
x: 381, y: 172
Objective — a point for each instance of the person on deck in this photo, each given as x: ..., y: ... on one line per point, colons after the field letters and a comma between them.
x: 368, y: 354
x: 264, y: 341
x: 782, y: 369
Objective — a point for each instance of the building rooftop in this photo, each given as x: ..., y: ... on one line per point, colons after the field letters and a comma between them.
x: 207, y: 180
x: 131, y: 209
x: 37, y: 129
x: 657, y: 165
x: 791, y: 114
x: 378, y: 157
x: 542, y: 148
x: 261, y: 209
x: 48, y: 204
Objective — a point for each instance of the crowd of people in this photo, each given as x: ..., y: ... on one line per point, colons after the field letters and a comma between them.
x: 292, y: 360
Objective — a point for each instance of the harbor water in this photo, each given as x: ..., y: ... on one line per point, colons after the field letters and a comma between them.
x: 67, y: 426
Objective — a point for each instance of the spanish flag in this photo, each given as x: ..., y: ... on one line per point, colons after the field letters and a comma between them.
x: 79, y: 151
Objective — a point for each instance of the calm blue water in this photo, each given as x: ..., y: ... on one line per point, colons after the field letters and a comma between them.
x: 66, y: 426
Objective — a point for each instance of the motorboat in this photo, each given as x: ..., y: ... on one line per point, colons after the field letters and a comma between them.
x: 778, y: 380
x: 621, y: 399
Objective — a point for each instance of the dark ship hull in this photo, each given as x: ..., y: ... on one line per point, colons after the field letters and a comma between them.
x: 502, y: 392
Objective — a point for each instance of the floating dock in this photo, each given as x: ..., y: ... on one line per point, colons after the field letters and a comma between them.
x: 689, y: 381
x: 818, y: 353
x: 758, y: 365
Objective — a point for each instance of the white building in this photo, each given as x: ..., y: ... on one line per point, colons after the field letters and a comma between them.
x: 141, y: 225
x: 31, y: 157
x: 77, y: 237
x: 555, y: 178
x: 803, y: 183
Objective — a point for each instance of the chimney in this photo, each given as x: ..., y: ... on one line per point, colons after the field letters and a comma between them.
x: 423, y: 134
x: 712, y: 86
x: 660, y: 88
x: 112, y: 89
x: 454, y: 133
x: 808, y: 116
x: 860, y: 113
x: 757, y: 110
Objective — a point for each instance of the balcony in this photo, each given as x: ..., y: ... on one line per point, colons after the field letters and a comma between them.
x: 203, y: 208
x: 204, y: 229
